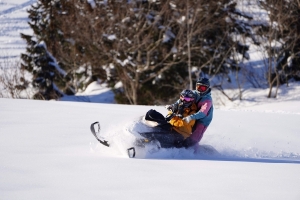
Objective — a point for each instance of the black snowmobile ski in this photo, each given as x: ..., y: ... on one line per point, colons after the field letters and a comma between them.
x: 131, y: 152
x: 100, y: 139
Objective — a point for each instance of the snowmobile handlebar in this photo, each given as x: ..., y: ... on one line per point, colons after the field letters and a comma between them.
x: 171, y: 115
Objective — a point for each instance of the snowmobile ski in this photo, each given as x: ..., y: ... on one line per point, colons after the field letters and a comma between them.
x: 100, y: 139
x: 131, y: 152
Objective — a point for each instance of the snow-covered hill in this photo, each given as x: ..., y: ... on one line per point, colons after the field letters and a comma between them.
x: 48, y: 152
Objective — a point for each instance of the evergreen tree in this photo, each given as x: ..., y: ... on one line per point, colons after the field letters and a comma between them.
x: 48, y: 75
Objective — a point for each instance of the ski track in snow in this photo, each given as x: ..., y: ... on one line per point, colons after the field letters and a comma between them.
x: 12, y: 23
x: 16, y: 7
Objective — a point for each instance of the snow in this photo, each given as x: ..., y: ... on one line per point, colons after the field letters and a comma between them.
x: 13, y: 21
x: 250, y: 151
x: 48, y: 152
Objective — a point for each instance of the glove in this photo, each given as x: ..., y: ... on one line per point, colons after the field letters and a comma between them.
x: 187, y: 119
x: 169, y: 107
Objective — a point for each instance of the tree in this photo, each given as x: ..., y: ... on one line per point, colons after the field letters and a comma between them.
x: 282, y: 37
x: 208, y: 35
x: 47, y: 73
x: 149, y: 39
x: 80, y: 52
x: 152, y: 46
x: 130, y: 37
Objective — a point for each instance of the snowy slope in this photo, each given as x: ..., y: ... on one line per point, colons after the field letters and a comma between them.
x: 48, y: 152
x: 13, y: 21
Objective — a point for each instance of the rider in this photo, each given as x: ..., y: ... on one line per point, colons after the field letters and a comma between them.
x: 195, y: 120
x: 205, y: 112
x: 184, y: 107
x: 173, y: 129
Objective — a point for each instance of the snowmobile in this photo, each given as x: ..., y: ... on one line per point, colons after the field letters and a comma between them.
x: 159, y: 130
x: 154, y: 129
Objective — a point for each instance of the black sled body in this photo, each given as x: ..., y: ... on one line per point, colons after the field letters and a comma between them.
x: 158, y: 131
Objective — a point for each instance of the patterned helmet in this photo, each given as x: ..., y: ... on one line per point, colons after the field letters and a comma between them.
x: 187, y: 97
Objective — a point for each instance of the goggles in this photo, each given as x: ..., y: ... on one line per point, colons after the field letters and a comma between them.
x: 187, y: 99
x: 201, y: 88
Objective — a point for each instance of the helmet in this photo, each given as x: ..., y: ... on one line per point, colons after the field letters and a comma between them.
x: 187, y: 97
x: 202, y: 85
